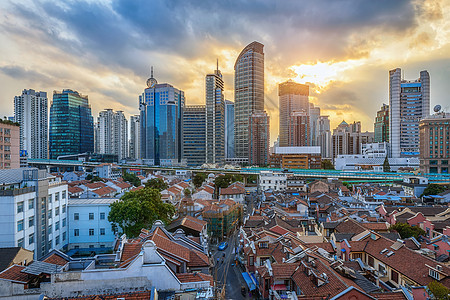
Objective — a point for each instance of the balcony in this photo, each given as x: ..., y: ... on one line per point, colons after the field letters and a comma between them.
x: 16, y: 192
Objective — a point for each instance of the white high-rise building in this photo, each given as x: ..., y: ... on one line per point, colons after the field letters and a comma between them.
x: 409, y: 102
x: 113, y: 133
x: 134, y: 137
x: 31, y: 112
x: 323, y: 138
x: 314, y: 114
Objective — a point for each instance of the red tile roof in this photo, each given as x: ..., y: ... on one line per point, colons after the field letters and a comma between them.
x: 194, y: 277
x: 104, y: 191
x: 14, y: 273
x: 232, y: 190
x: 75, y: 190
x: 95, y: 185
x: 129, y: 252
x: 56, y: 260
x: 123, y: 185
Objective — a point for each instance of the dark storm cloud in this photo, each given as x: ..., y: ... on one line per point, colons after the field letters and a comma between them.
x: 18, y: 72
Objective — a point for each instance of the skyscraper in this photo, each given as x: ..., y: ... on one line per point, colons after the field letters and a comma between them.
x: 30, y: 111
x: 381, y: 125
x: 161, y: 107
x: 259, y: 136
x: 113, y: 133
x: 71, y: 124
x: 248, y: 93
x: 409, y: 101
x: 314, y: 114
x: 120, y: 137
x: 215, y: 118
x: 229, y: 129
x: 292, y: 97
x: 299, y: 131
x: 194, y: 135
x: 324, y: 136
x: 347, y: 138
x: 105, y: 133
x: 134, y: 137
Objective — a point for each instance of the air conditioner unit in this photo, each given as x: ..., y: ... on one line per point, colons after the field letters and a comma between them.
x: 439, y: 268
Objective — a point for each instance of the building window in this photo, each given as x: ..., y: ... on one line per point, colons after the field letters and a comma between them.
x: 76, y: 216
x: 394, y: 276
x: 371, y: 261
x: 50, y: 197
x: 76, y: 232
x: 57, y: 226
x: 91, y: 231
x: 64, y: 236
x: 19, y: 225
x: 251, y: 260
x: 57, y: 211
x: 64, y: 209
x: 57, y: 240
x: 56, y: 197
x: 19, y: 207
x: 102, y: 231
x: 31, y: 239
x: 31, y: 221
x: 64, y: 222
x: 63, y: 195
x: 91, y: 216
x: 49, y: 213
x: 49, y: 229
x: 102, y: 216
x: 31, y: 204
x: 20, y: 242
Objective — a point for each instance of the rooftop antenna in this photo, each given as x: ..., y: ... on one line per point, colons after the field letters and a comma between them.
x: 151, y: 72
x: 217, y: 64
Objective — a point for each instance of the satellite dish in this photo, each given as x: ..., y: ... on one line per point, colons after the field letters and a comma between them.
x: 437, y: 108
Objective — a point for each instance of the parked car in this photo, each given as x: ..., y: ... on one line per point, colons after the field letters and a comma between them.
x: 223, y: 246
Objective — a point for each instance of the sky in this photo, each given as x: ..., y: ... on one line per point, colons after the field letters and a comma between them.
x: 342, y: 49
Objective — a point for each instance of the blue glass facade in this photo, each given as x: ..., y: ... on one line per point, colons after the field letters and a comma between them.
x: 229, y: 129
x: 161, y: 110
x: 194, y: 135
x: 71, y: 124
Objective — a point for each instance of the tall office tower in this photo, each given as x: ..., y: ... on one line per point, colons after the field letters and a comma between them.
x: 30, y: 111
x: 324, y: 136
x: 259, y: 136
x: 434, y: 148
x: 215, y: 118
x: 248, y: 94
x: 96, y: 137
x: 71, y: 124
x: 299, y: 129
x: 347, y: 138
x: 292, y: 97
x: 229, y: 129
x: 106, y: 128
x: 113, y: 133
x: 381, y: 125
x: 314, y: 114
x: 161, y: 107
x: 409, y: 102
x: 134, y: 137
x: 194, y: 135
x: 120, y: 137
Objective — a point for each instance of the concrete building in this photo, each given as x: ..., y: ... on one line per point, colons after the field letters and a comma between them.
x: 375, y: 149
x: 324, y: 136
x: 360, y: 162
x: 194, y: 135
x: 299, y: 129
x: 113, y: 133
x: 134, y: 145
x: 314, y: 114
x: 248, y: 94
x: 381, y: 125
x: 259, y: 136
x: 215, y: 118
x: 347, y: 138
x: 33, y: 210
x: 9, y: 145
x: 306, y: 157
x: 88, y: 225
x: 269, y: 180
x: 409, y: 102
x: 31, y: 112
x: 434, y: 143
x: 229, y: 129
x: 108, y: 170
x: 161, y: 112
x: 293, y: 97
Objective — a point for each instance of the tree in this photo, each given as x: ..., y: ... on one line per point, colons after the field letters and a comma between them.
x: 438, y: 290
x: 187, y: 193
x: 89, y: 177
x: 405, y: 230
x: 156, y: 183
x: 386, y: 165
x: 223, y: 181
x: 348, y: 185
x: 198, y: 179
x: 131, y: 178
x: 434, y: 189
x: 139, y: 209
x: 96, y: 178
x: 326, y: 164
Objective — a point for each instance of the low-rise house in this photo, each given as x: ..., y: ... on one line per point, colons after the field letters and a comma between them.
x: 236, y: 191
x: 14, y: 256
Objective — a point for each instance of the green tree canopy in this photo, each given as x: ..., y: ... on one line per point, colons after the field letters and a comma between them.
x: 139, y: 209
x: 131, y: 178
x: 434, y: 189
x: 405, y: 230
x: 386, y: 165
x: 326, y: 164
x: 187, y: 193
x: 198, y: 179
x: 156, y: 183
x: 439, y: 290
x: 96, y: 178
x: 223, y: 181
x: 89, y: 177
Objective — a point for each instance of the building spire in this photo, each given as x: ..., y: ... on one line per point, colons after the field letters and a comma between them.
x: 151, y: 72
x: 217, y: 65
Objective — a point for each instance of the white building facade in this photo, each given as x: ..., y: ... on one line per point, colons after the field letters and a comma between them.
x: 134, y: 145
x: 113, y: 133
x: 274, y: 181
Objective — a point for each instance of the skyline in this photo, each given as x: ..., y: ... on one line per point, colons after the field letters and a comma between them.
x: 343, y: 50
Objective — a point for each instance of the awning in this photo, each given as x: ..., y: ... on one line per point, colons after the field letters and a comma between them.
x: 279, y: 287
x: 248, y: 280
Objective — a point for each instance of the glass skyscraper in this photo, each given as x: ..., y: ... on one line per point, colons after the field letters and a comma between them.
x: 161, y: 110
x: 248, y: 94
x: 229, y: 128
x: 71, y: 124
x: 381, y: 125
x: 194, y: 135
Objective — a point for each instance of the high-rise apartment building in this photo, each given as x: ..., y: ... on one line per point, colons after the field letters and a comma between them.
x: 293, y: 97
x: 31, y: 112
x: 259, y: 137
x: 120, y: 147
x: 229, y: 129
x: 71, y: 124
x: 299, y: 131
x: 96, y: 137
x: 134, y: 147
x: 434, y: 143
x: 347, y: 138
x: 161, y: 107
x: 9, y: 145
x: 106, y: 128
x: 248, y: 94
x: 381, y: 125
x: 314, y: 114
x: 194, y: 135
x: 324, y: 136
x: 409, y: 102
x: 215, y: 118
